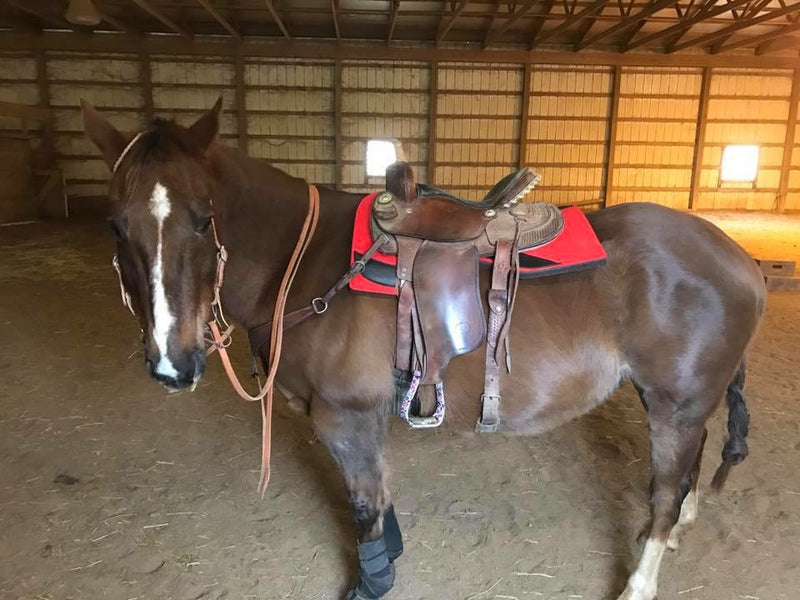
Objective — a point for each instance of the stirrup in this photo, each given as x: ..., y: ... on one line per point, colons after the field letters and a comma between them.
x: 417, y: 422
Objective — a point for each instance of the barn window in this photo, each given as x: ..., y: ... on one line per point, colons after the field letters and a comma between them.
x: 739, y: 163
x: 380, y: 154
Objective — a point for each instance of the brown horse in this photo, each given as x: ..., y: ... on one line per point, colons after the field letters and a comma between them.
x: 673, y: 310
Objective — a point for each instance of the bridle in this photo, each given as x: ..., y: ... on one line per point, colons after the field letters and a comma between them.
x: 220, y: 340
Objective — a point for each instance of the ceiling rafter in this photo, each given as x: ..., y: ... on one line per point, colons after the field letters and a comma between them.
x: 392, y: 20
x: 492, y: 21
x: 587, y: 11
x: 758, y: 39
x: 736, y: 27
x: 787, y: 42
x: 277, y: 18
x: 445, y: 26
x: 41, y: 15
x: 653, y: 8
x: 586, y: 27
x: 537, y: 26
x: 166, y: 21
x: 335, y: 13
x: 220, y: 19
x: 492, y: 35
x: 683, y: 26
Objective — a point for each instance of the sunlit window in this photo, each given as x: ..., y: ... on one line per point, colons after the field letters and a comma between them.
x: 739, y: 163
x: 380, y: 154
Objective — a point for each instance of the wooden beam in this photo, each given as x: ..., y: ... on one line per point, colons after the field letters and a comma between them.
x: 433, y: 99
x: 788, y: 142
x: 611, y: 145
x: 444, y: 27
x: 338, y: 149
x: 392, y: 20
x: 587, y: 11
x: 685, y: 24
x: 335, y: 13
x: 738, y: 26
x: 655, y: 7
x: 699, y: 137
x: 166, y: 21
x: 524, y: 117
x: 789, y: 42
x: 27, y: 112
x: 43, y: 16
x: 115, y: 21
x: 241, y: 103
x: 220, y: 19
x: 146, y: 79
x: 48, y: 146
x: 757, y: 40
x: 492, y: 35
x: 278, y: 21
x: 172, y: 45
x: 540, y: 21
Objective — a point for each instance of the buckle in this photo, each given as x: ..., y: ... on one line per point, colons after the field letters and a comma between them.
x: 319, y: 305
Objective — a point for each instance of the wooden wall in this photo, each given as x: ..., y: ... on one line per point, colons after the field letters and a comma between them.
x: 596, y: 134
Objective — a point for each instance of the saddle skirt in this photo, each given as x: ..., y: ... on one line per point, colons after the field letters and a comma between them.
x: 557, y: 241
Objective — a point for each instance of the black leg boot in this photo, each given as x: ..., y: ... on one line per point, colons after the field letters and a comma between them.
x: 391, y: 534
x: 376, y: 575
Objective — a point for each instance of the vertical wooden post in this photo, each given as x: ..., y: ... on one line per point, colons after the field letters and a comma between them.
x: 700, y: 137
x: 146, y: 79
x: 241, y: 102
x: 788, y: 143
x: 611, y: 146
x: 522, y: 145
x: 48, y: 148
x: 337, y: 122
x: 433, y: 101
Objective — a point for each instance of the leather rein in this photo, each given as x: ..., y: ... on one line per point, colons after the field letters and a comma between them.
x: 222, y: 339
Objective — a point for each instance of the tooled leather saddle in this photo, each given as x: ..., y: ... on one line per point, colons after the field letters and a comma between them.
x: 439, y: 240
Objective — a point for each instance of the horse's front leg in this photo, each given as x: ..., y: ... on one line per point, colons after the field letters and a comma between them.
x: 355, y: 438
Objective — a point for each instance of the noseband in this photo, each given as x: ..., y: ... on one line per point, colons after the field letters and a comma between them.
x: 222, y: 339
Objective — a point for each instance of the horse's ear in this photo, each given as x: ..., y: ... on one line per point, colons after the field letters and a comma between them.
x: 205, y: 129
x: 105, y: 136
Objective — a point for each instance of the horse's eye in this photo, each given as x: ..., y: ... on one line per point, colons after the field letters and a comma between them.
x: 116, y: 227
x: 203, y: 224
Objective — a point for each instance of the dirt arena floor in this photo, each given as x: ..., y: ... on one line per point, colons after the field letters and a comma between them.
x: 112, y: 489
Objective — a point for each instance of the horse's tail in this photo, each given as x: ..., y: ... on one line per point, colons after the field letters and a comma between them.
x: 735, y: 449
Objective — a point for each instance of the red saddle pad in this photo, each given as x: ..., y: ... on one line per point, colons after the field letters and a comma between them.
x: 574, y: 249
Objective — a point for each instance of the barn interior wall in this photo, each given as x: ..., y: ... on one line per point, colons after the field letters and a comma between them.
x: 461, y: 125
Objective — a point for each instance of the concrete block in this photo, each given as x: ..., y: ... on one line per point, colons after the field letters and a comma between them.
x: 777, y: 283
x: 784, y: 268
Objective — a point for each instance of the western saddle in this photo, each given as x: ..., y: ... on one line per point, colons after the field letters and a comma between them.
x: 439, y: 240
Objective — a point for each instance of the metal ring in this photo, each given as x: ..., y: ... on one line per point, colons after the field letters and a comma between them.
x: 358, y: 267
x: 319, y: 305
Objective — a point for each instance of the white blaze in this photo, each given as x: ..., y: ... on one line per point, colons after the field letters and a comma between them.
x: 162, y: 317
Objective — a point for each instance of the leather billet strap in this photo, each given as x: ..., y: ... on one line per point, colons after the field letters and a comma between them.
x: 498, y: 313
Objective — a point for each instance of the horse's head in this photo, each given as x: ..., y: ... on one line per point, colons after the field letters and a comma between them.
x: 161, y: 190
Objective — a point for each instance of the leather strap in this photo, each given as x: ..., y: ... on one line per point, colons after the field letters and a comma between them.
x: 264, y: 394
x: 498, y: 311
x: 260, y: 334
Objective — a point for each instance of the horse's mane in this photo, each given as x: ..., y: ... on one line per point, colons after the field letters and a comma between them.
x: 162, y: 140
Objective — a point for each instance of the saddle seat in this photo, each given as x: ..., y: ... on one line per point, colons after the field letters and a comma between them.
x: 425, y: 212
x: 439, y: 239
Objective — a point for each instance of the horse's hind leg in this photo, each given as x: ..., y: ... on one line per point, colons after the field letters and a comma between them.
x: 355, y: 440
x: 688, y: 513
x: 676, y: 433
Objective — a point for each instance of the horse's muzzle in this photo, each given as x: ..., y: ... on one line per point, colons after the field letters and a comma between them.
x: 183, y: 370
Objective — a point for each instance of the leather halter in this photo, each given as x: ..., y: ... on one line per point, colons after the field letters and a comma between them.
x: 221, y: 340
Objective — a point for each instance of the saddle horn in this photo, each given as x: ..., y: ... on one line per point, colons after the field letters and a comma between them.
x: 400, y: 182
